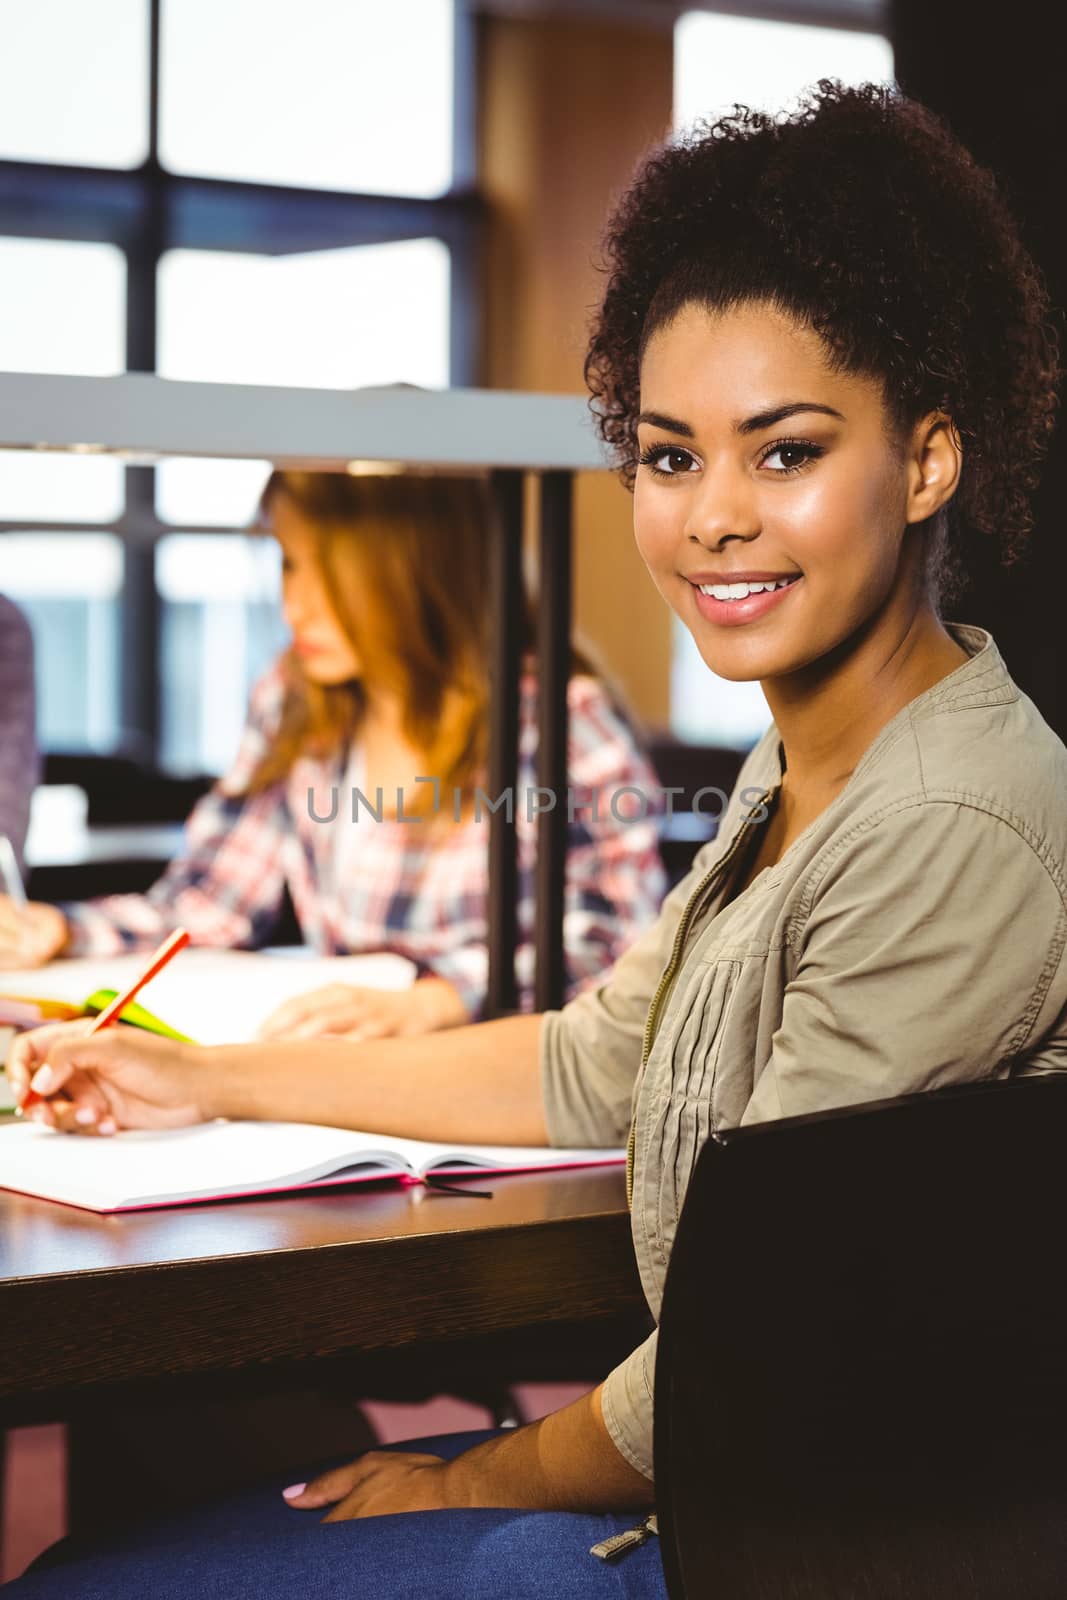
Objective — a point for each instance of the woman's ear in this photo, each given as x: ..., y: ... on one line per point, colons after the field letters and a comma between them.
x: 935, y: 459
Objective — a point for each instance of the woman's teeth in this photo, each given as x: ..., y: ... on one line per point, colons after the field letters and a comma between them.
x: 738, y: 591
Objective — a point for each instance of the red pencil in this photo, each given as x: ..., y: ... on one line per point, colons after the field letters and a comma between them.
x: 166, y: 952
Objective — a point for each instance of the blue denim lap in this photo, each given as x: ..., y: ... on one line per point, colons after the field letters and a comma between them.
x: 255, y: 1547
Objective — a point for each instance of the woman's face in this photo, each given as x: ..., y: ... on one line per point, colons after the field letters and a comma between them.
x: 760, y: 463
x: 324, y: 648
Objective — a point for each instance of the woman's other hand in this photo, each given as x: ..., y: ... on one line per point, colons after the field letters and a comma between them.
x: 118, y: 1078
x: 565, y: 1462
x: 342, y: 1010
x: 379, y: 1484
x: 30, y: 935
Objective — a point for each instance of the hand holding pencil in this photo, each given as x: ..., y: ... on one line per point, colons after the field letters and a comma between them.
x: 30, y: 933
x: 69, y: 1078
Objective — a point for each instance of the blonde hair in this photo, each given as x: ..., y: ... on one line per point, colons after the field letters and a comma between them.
x: 405, y: 560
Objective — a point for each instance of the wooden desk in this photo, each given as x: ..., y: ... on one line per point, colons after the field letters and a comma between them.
x: 88, y: 1301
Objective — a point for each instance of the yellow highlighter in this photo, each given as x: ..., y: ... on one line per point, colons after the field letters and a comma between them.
x: 135, y: 1015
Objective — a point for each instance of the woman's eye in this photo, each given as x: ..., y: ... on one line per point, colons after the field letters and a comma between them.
x: 669, y: 461
x: 791, y: 457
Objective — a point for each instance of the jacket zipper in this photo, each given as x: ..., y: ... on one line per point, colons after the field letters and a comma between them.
x: 669, y: 972
x: 619, y: 1543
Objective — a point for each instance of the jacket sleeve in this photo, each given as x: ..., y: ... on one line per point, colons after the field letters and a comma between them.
x: 591, y: 1050
x: 227, y: 885
x: 627, y: 1399
x: 925, y: 945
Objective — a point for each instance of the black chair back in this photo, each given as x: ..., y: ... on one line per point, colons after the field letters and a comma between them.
x: 861, y: 1386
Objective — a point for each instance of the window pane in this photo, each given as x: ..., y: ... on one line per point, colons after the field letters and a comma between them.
x: 39, y: 486
x: 209, y: 493
x: 69, y: 586
x: 74, y: 81
x: 72, y: 317
x: 222, y: 626
x: 329, y: 319
x: 719, y: 59
x: 71, y: 301
x: 328, y: 94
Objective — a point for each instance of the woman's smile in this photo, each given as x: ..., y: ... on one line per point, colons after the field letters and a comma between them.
x: 731, y: 600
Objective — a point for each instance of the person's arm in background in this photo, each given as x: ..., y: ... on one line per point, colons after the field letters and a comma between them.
x: 562, y: 1077
x: 226, y: 887
x: 19, y: 765
x: 616, y: 882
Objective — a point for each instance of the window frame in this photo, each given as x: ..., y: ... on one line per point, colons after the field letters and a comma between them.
x: 148, y: 210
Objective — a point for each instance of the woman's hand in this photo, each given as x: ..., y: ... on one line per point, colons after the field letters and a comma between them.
x: 378, y: 1484
x: 342, y: 1010
x: 565, y: 1462
x: 30, y: 935
x: 118, y: 1078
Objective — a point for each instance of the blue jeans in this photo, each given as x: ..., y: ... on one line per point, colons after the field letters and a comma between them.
x: 255, y: 1547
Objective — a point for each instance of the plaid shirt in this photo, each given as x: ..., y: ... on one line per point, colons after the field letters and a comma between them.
x: 423, y: 898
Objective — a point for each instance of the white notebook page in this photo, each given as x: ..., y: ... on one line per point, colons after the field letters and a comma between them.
x: 214, y: 996
x: 229, y: 1158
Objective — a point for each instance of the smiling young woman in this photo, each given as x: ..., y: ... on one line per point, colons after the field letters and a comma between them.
x: 820, y: 337
x: 782, y: 516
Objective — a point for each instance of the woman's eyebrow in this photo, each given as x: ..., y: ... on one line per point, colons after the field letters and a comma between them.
x: 656, y: 419
x: 767, y: 419
x: 753, y: 424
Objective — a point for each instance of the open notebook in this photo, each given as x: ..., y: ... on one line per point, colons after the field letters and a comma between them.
x: 215, y: 996
x: 221, y: 1160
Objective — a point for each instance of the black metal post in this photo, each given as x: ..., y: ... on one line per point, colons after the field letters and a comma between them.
x: 141, y: 610
x: 554, y: 660
x: 506, y: 622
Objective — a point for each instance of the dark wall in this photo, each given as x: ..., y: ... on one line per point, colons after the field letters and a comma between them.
x: 997, y: 75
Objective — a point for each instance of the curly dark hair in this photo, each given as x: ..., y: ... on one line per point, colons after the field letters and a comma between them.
x: 863, y: 216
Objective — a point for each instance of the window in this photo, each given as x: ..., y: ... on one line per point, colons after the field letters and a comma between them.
x: 765, y: 64
x: 71, y: 301
x: 299, y: 214
x: 221, y: 628
x: 74, y: 81
x: 72, y: 318
x: 327, y: 94
x: 68, y: 585
x: 314, y: 319
x: 720, y: 60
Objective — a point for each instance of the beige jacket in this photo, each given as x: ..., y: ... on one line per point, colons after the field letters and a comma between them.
x: 912, y: 936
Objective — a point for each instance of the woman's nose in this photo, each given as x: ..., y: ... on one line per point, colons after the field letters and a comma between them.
x: 294, y: 601
x: 724, y: 507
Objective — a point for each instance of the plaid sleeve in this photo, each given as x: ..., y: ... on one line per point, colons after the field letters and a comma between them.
x: 466, y: 968
x: 615, y: 877
x: 227, y: 885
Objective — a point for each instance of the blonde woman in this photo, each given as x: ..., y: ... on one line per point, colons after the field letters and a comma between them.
x: 386, y: 683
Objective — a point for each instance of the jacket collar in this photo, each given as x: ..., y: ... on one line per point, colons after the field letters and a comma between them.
x: 983, y: 679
